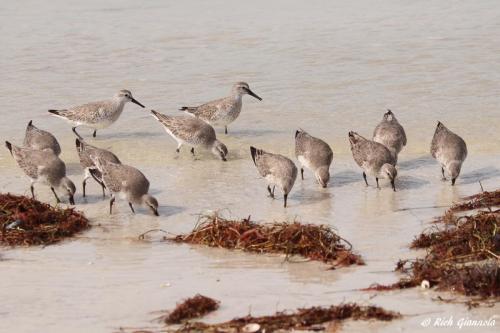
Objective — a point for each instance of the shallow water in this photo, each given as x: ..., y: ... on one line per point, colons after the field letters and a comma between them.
x: 328, y: 67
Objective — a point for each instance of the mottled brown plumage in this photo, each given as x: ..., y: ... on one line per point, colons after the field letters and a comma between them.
x: 97, y: 115
x: 278, y: 170
x: 314, y: 154
x: 222, y: 111
x: 38, y: 139
x: 374, y: 158
x: 192, y: 132
x: 85, y: 152
x: 391, y: 134
x: 128, y: 182
x: 449, y: 150
x: 43, y: 166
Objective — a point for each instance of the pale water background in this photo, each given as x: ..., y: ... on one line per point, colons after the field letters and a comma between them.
x: 326, y: 66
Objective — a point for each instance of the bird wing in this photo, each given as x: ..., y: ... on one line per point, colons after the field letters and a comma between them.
x: 209, y: 110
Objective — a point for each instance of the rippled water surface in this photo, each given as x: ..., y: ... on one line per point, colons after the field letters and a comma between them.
x: 325, y: 66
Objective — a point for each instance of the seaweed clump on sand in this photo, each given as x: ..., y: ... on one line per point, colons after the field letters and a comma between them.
x: 463, y: 251
x: 25, y: 221
x: 315, y: 242
x: 481, y: 200
x: 190, y: 308
x: 314, y: 318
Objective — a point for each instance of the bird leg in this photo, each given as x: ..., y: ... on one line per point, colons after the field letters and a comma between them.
x: 225, y: 129
x: 111, y: 201
x: 103, y: 188
x: 131, y: 207
x: 32, y: 188
x: 364, y: 176
x: 377, y: 183
x: 83, y: 185
x: 192, y: 150
x: 94, y: 134
x: 453, y: 182
x: 74, y: 131
x: 55, y: 194
x: 178, y: 150
x: 271, y: 193
x: 302, y: 173
x: 442, y: 172
x: 285, y: 196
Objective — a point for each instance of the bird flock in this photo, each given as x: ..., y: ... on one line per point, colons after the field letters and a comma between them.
x: 38, y: 157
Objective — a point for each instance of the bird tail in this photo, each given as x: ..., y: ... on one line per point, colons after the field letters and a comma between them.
x: 297, y: 132
x: 353, y: 137
x: 389, y: 114
x: 9, y: 147
x: 80, y: 144
x: 162, y: 118
x: 97, y: 175
x: 155, y: 114
x: 440, y: 126
x: 187, y: 109
x: 255, y: 153
x: 30, y: 124
x: 57, y: 112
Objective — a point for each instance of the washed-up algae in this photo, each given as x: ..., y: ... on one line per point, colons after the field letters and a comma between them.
x: 25, y: 221
x: 306, y: 319
x: 315, y: 242
x: 193, y: 307
x: 463, y: 251
x: 481, y: 200
x: 313, y: 318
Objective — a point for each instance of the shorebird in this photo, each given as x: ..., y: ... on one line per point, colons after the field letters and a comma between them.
x: 449, y: 150
x: 374, y: 158
x: 391, y: 134
x: 192, y: 132
x: 314, y: 154
x: 223, y: 111
x: 278, y: 170
x: 85, y: 151
x: 43, y: 166
x: 126, y: 181
x: 38, y: 139
x: 97, y: 115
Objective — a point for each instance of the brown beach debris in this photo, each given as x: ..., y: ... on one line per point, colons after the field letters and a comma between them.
x: 315, y: 242
x: 463, y: 252
x: 25, y: 221
x: 481, y: 200
x: 314, y: 318
x: 190, y: 308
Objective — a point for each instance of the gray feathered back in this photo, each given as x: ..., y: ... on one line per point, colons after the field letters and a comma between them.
x: 366, y: 151
x: 449, y: 144
x: 38, y: 139
x: 315, y: 150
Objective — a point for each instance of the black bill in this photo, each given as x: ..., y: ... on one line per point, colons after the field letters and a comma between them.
x: 133, y: 100
x: 251, y: 93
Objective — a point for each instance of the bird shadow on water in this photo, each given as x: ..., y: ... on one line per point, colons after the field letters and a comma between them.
x: 249, y: 133
x: 166, y: 210
x: 310, y: 196
x: 409, y: 182
x: 418, y: 162
x: 121, y: 135
x: 479, y: 175
x: 346, y: 177
x: 73, y: 169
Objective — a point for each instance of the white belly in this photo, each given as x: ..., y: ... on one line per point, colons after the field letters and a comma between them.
x: 305, y: 162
